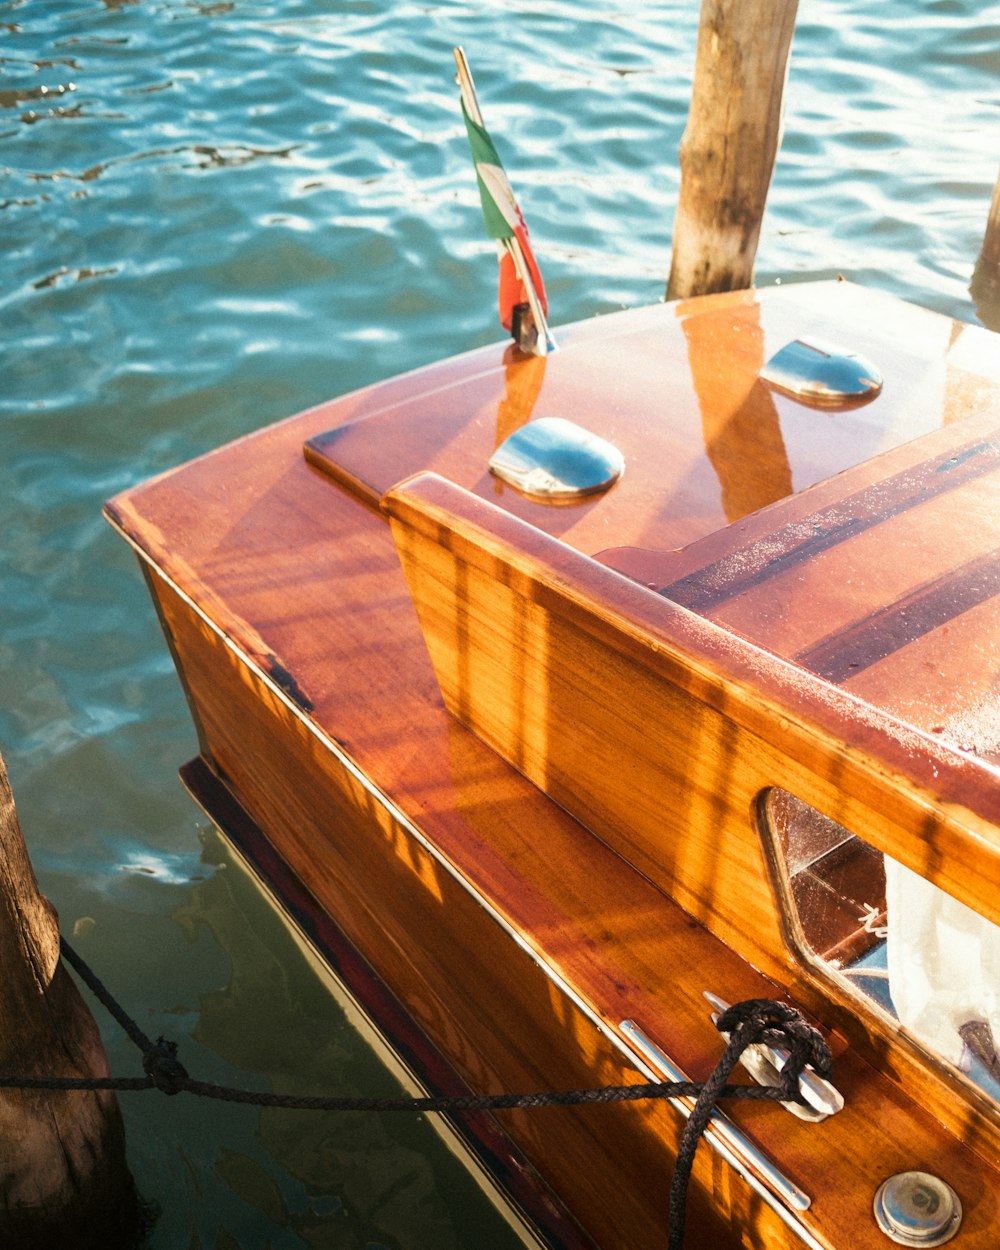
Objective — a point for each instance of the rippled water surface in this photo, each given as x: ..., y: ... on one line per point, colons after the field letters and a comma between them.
x: 216, y: 214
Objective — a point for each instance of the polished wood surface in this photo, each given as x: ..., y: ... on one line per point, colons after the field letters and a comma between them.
x: 581, y: 914
x: 883, y: 581
x: 609, y: 698
x: 665, y: 734
x: 676, y: 389
x: 491, y: 1006
x: 515, y: 937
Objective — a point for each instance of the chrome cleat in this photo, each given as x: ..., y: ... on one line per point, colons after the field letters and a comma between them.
x: 765, y: 1062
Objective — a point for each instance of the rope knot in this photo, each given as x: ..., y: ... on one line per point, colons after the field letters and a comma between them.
x: 776, y: 1024
x: 164, y: 1069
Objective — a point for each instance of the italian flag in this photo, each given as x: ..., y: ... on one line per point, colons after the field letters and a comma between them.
x: 504, y: 221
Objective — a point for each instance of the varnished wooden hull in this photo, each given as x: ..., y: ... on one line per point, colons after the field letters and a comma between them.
x: 521, y: 892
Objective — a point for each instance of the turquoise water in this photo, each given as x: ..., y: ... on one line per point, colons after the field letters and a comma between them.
x: 216, y: 214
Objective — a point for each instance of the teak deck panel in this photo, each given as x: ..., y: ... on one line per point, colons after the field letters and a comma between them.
x: 809, y: 580
x: 675, y: 389
x: 318, y: 706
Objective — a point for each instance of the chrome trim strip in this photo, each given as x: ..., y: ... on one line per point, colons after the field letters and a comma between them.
x: 721, y: 1132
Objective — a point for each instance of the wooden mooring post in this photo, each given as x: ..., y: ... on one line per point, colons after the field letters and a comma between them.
x: 730, y: 143
x: 985, y: 286
x: 64, y: 1181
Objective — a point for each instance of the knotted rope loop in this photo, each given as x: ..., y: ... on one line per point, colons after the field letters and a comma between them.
x: 777, y: 1024
x: 164, y: 1069
x: 747, y: 1023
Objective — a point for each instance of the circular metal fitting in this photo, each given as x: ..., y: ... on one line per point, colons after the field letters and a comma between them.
x: 917, y: 1209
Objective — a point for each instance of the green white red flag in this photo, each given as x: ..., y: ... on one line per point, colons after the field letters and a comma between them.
x: 520, y: 277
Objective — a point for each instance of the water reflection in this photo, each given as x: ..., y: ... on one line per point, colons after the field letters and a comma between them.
x: 12, y: 99
x: 79, y: 275
x: 201, y: 156
x: 740, y: 423
x: 345, y: 1179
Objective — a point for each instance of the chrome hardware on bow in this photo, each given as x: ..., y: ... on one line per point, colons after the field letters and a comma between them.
x: 764, y: 1063
x: 818, y: 373
x: 557, y: 461
x: 918, y: 1209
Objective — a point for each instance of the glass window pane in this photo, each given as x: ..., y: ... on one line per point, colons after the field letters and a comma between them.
x: 896, y: 941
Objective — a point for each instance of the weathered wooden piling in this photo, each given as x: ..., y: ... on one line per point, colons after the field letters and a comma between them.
x: 63, y: 1177
x: 985, y: 285
x: 730, y: 143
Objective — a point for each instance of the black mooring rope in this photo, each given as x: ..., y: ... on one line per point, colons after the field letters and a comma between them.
x: 747, y: 1023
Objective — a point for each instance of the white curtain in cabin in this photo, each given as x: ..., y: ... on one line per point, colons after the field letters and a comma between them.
x: 944, y: 962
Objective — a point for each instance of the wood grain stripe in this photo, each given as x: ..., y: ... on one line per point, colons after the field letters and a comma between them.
x: 894, y: 626
x: 796, y: 542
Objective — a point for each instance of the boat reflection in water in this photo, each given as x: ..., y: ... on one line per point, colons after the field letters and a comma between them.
x: 352, y: 1178
x: 525, y: 769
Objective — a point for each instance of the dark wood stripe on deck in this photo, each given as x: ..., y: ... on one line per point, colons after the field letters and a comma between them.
x: 798, y: 541
x: 881, y: 633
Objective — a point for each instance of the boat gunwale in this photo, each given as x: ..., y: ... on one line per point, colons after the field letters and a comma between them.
x: 761, y: 691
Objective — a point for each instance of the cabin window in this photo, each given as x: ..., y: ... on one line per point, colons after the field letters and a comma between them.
x: 892, y: 939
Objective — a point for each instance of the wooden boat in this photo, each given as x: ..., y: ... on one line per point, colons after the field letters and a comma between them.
x: 525, y: 770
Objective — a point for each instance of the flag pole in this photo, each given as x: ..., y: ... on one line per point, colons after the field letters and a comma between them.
x: 544, y: 342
